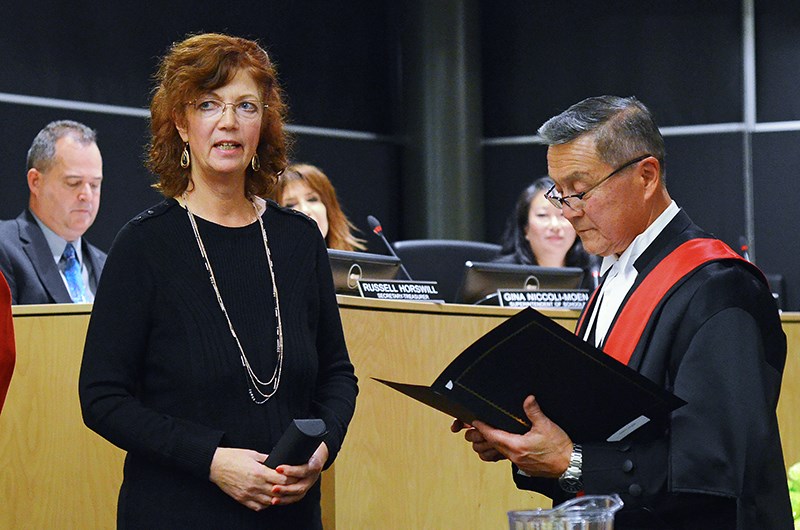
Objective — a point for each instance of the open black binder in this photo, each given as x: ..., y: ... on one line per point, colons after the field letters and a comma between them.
x: 590, y: 395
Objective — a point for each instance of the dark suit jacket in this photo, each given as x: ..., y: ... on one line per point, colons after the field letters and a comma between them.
x: 716, y: 341
x: 28, y: 265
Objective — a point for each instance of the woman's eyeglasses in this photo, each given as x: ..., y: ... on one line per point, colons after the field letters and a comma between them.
x: 211, y: 109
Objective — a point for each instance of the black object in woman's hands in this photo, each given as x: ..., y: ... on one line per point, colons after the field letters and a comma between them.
x: 297, y: 443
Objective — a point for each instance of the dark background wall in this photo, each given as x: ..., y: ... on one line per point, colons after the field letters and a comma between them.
x: 338, y: 62
x: 342, y: 66
x: 540, y: 58
x: 684, y: 59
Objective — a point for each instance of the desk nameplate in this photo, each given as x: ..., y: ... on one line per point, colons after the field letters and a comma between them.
x: 544, y: 299
x: 415, y: 291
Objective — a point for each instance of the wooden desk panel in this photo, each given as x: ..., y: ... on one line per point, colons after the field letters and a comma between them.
x: 400, y: 466
x: 789, y: 404
x: 55, y: 472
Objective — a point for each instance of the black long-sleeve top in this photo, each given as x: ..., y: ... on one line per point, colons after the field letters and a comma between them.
x: 162, y: 377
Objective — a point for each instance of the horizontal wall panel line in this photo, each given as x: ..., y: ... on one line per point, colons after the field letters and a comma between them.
x: 35, y: 101
x: 341, y: 133
x: 680, y: 130
x: 711, y: 128
x: 777, y: 126
x: 83, y: 106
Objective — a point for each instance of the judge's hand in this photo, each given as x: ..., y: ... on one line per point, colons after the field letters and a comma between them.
x: 485, y: 451
x: 543, y: 451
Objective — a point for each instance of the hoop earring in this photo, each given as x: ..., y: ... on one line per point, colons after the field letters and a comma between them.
x: 185, y: 159
x: 255, y: 163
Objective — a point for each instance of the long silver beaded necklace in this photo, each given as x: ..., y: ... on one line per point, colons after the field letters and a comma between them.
x: 265, y: 390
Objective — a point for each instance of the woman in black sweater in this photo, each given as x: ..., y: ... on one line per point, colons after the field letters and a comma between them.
x: 215, y: 323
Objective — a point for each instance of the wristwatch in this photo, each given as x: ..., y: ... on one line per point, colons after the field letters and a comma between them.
x: 570, y: 481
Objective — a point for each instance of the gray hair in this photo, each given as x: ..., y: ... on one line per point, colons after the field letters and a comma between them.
x: 42, y: 153
x: 623, y: 129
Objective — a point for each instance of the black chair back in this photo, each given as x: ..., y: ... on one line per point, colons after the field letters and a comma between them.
x: 442, y: 260
x: 778, y: 287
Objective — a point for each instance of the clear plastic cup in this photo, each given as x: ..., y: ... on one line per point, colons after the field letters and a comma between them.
x: 589, y: 512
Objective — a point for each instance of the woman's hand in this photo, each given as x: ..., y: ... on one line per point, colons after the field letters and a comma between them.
x: 241, y: 474
x: 299, y: 479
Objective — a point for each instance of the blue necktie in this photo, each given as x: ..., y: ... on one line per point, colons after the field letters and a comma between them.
x: 72, y: 272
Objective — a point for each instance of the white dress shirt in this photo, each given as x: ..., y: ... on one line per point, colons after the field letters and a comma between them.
x: 621, y: 276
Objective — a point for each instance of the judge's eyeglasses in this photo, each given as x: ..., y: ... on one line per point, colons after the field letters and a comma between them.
x: 577, y: 201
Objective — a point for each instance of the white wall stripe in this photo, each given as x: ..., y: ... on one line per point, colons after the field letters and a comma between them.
x: 509, y: 140
x: 777, y: 126
x: 711, y: 128
x: 678, y: 130
x: 35, y: 101
x: 341, y: 133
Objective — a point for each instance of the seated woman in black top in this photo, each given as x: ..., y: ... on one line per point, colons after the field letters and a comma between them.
x: 537, y: 233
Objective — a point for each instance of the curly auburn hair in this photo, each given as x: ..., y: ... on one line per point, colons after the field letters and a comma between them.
x: 192, y: 67
x: 340, y: 229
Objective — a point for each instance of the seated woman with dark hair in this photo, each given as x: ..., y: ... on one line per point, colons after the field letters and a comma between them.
x: 537, y: 233
x: 307, y: 189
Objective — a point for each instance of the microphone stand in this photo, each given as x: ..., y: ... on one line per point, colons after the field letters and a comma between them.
x: 378, y: 230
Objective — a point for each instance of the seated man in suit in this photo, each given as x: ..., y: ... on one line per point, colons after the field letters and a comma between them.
x: 43, y: 256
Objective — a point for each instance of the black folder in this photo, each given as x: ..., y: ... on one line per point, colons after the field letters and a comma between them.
x: 589, y: 394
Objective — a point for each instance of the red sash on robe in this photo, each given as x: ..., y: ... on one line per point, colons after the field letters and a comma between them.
x: 631, y: 321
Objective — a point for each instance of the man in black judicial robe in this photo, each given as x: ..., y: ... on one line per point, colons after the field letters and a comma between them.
x: 712, y: 336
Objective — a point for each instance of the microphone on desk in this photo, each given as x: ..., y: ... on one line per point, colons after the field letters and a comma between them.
x: 595, y: 272
x: 744, y: 248
x: 376, y: 227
